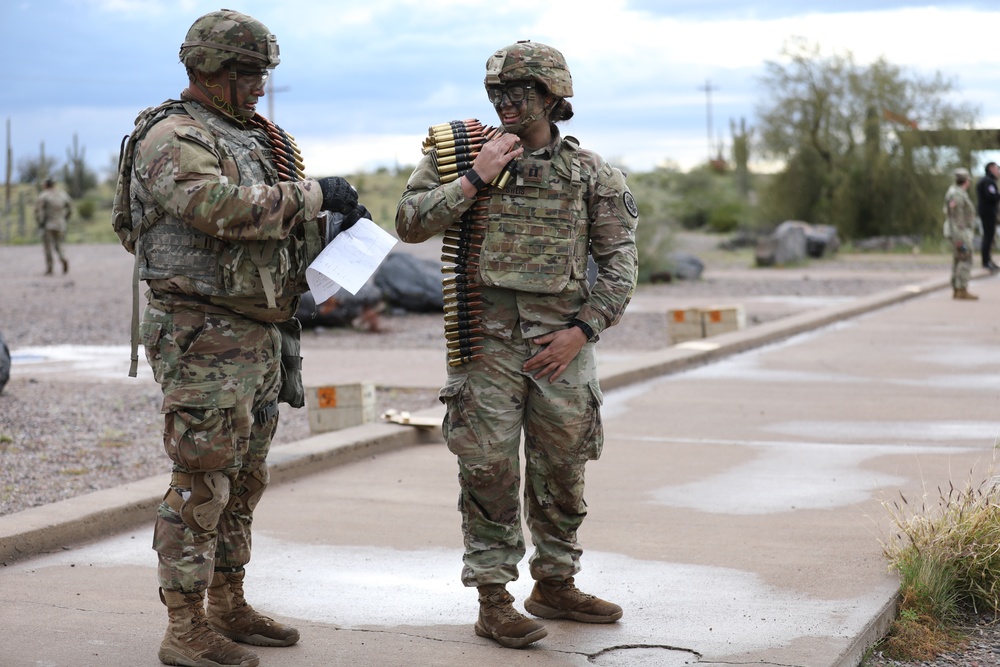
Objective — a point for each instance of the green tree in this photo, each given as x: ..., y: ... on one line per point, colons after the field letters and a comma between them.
x: 845, y: 164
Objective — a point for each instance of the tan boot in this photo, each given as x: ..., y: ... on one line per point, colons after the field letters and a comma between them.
x: 964, y: 295
x: 555, y: 598
x: 190, y: 641
x: 499, y: 621
x: 231, y: 616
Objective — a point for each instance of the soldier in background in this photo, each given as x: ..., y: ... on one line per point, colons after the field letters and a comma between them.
x: 537, y: 371
x: 962, y: 223
x: 223, y: 227
x: 987, y: 200
x: 53, y: 209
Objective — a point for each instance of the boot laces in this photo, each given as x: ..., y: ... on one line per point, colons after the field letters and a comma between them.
x: 502, y: 604
x: 568, y: 589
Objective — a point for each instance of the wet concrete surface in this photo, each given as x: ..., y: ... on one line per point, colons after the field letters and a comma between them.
x: 736, y: 513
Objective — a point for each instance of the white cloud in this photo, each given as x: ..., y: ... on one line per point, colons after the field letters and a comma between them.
x: 385, y: 68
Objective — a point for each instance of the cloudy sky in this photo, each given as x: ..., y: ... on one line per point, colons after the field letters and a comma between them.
x: 360, y: 81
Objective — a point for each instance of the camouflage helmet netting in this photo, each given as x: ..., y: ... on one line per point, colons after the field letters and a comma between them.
x: 223, y: 36
x: 530, y: 60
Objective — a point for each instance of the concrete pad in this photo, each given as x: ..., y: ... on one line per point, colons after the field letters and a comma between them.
x: 736, y: 513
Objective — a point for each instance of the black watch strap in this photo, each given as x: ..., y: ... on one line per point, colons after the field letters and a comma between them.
x: 584, y: 327
x: 477, y: 182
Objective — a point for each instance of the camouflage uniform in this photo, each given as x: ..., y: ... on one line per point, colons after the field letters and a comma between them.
x: 962, y: 221
x: 563, y: 197
x: 208, y: 328
x: 52, y: 209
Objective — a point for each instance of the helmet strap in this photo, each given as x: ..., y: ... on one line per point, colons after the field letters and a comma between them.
x: 220, y: 103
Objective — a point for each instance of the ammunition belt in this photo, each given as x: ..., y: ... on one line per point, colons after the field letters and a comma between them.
x: 454, y: 146
x: 285, y: 154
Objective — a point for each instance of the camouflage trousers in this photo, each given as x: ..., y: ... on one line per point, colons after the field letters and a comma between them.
x: 489, y: 403
x: 52, y: 242
x: 961, y: 265
x: 219, y: 373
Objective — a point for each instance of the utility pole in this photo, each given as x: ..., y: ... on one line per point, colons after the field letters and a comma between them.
x: 269, y: 92
x: 708, y: 88
x: 10, y: 159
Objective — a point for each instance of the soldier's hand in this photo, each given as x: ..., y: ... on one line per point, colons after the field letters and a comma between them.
x: 561, y: 347
x: 359, y: 212
x: 495, y: 154
x: 339, y: 196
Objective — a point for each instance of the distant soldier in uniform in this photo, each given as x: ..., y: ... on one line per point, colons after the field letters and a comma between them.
x: 53, y: 209
x: 223, y: 226
x: 962, y: 225
x: 536, y: 372
x: 987, y: 201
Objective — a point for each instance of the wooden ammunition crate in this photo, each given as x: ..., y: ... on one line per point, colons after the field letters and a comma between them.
x: 722, y: 319
x: 335, y: 407
x: 684, y: 324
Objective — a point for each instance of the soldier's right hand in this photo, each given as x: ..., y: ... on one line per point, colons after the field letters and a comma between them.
x: 339, y: 196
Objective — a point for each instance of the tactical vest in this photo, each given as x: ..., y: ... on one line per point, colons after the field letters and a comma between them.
x: 246, y: 269
x: 537, y: 227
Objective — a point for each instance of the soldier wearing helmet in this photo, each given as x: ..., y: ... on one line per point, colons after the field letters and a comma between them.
x: 213, y: 202
x: 961, y: 224
x: 534, y: 370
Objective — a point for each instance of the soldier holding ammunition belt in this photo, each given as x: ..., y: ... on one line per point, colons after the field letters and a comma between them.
x: 521, y: 210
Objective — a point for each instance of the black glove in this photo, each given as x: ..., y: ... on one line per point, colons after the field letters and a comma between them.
x: 359, y: 212
x: 338, y: 222
x: 338, y: 195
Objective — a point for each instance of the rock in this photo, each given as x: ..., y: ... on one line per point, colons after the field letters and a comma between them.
x: 685, y: 266
x: 410, y: 283
x: 822, y: 241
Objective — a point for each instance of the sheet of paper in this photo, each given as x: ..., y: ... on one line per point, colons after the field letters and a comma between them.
x: 350, y: 260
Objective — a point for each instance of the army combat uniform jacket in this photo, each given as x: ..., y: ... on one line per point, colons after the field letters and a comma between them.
x: 52, y: 209
x: 565, y: 203
x: 961, y: 214
x: 223, y: 232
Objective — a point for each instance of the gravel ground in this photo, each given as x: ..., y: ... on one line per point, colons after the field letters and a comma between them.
x: 60, y: 439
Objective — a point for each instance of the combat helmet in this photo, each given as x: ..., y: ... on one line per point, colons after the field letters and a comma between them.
x: 224, y: 37
x: 527, y: 60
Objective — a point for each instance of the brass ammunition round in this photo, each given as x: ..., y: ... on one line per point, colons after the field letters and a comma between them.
x: 449, y: 317
x: 463, y: 336
x: 449, y: 168
x: 445, y: 126
x: 464, y: 360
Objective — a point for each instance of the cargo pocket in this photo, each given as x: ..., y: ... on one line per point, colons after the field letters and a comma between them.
x: 150, y: 335
x: 199, y: 428
x: 458, y: 428
x: 592, y: 442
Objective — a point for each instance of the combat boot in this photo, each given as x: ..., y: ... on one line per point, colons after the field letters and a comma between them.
x: 499, y: 621
x: 189, y: 640
x: 964, y: 295
x: 232, y: 617
x: 560, y: 598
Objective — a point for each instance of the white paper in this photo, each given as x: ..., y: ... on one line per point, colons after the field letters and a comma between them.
x: 349, y: 261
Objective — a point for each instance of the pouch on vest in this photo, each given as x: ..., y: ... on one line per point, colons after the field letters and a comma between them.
x: 292, y: 390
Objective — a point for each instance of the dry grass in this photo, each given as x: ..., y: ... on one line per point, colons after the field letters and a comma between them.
x: 946, y: 550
